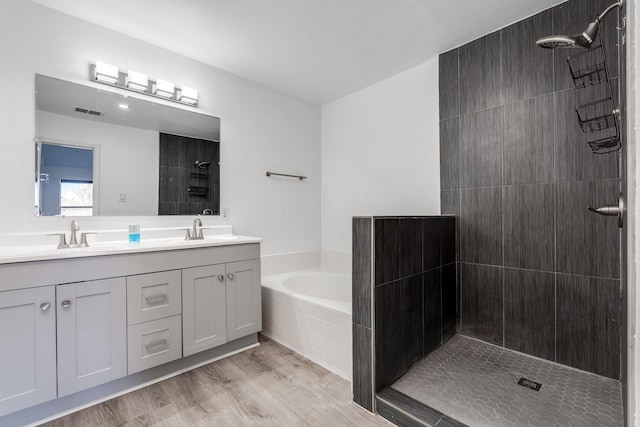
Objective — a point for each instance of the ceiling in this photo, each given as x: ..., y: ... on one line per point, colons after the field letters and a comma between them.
x: 316, y: 50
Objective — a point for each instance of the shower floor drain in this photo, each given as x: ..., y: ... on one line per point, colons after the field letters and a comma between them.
x: 529, y: 384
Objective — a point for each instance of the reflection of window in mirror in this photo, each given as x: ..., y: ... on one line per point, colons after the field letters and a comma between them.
x: 66, y: 181
x: 76, y: 197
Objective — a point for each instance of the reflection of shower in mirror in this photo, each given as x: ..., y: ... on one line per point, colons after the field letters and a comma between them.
x: 202, y: 164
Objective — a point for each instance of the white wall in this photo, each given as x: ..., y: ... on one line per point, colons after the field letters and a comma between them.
x: 261, y: 129
x: 128, y: 160
x: 380, y: 153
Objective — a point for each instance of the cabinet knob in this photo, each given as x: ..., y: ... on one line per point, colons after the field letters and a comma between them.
x: 66, y: 303
x: 45, y: 306
x: 221, y: 277
x: 230, y: 276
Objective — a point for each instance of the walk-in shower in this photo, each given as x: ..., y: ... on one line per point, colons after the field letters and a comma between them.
x: 513, y: 312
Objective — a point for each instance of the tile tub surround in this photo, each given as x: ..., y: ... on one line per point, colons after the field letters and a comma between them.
x: 517, y: 172
x: 314, y: 328
x: 405, y: 297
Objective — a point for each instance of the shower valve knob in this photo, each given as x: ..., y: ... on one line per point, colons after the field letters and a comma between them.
x: 611, y: 210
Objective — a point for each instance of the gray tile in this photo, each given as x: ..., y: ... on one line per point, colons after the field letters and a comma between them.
x: 362, y: 282
x: 573, y: 17
x: 432, y: 295
x: 171, y: 150
x: 527, y: 70
x: 476, y: 383
x: 587, y: 243
x: 410, y: 233
x: 480, y: 74
x: 448, y: 240
x: 529, y: 312
x: 528, y: 141
x: 448, y: 84
x: 588, y: 324
x: 431, y: 243
x: 529, y: 240
x: 362, y: 380
x: 574, y: 160
x: 386, y: 250
x: 450, y: 301
x: 398, y: 329
x: 481, y: 226
x: 170, y: 185
x: 481, y: 302
x: 481, y: 148
x: 450, y: 204
x: 449, y: 154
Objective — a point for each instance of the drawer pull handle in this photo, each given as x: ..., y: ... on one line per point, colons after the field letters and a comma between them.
x: 66, y: 303
x: 158, y: 345
x: 156, y: 299
x: 230, y: 276
x: 45, y: 306
x: 221, y: 277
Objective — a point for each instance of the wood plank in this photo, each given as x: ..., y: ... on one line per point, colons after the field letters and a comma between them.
x: 268, y: 385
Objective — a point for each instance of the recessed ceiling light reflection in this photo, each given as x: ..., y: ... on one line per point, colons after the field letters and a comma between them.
x: 124, y: 106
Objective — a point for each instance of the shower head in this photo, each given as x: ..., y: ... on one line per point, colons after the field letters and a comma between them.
x: 582, y: 40
x: 200, y: 164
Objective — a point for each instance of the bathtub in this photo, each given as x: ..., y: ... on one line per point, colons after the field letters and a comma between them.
x: 310, y: 312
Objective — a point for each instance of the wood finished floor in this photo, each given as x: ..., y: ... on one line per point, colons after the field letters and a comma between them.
x: 269, y: 385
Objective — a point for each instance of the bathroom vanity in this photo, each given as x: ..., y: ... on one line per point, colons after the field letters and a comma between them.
x: 105, y: 319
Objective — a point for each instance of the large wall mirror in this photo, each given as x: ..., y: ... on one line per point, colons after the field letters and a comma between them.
x: 103, y: 153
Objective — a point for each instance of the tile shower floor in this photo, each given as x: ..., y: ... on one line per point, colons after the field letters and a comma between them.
x: 477, y: 383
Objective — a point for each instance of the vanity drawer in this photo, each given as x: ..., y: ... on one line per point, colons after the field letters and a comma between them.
x: 153, y: 296
x: 154, y: 343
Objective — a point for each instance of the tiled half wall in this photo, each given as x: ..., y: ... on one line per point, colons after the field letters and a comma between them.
x: 404, y: 296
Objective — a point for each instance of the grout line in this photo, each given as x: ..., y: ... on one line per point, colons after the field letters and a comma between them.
x: 541, y: 271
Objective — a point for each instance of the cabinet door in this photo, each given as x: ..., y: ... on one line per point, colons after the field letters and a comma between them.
x: 28, y: 351
x: 244, y: 303
x: 203, y: 308
x: 92, y: 334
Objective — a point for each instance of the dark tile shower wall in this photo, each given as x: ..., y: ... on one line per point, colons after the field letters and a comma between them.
x: 538, y: 272
x: 404, y: 296
x: 178, y: 173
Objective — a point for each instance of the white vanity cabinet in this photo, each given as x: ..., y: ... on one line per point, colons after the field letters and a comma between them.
x: 28, y: 349
x: 220, y: 303
x: 92, y: 334
x: 70, y: 324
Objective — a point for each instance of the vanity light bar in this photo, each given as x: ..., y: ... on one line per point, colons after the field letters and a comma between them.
x: 188, y: 95
x: 164, y: 89
x: 137, y: 82
x: 106, y: 73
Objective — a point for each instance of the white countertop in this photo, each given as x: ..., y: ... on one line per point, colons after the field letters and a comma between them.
x: 15, y: 254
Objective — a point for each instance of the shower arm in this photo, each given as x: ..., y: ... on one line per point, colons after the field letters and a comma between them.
x: 609, y: 9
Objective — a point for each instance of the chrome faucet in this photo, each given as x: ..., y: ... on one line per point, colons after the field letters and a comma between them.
x: 73, y: 238
x: 196, y: 231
